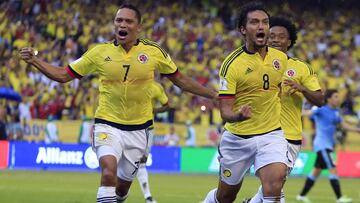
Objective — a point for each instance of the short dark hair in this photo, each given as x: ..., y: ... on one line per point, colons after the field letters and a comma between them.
x: 288, y: 25
x: 134, y: 8
x: 247, y: 8
x: 329, y: 93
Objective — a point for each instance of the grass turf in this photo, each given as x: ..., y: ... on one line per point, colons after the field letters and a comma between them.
x: 74, y: 187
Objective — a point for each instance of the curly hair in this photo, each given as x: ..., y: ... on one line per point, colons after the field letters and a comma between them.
x: 288, y: 25
x: 247, y: 8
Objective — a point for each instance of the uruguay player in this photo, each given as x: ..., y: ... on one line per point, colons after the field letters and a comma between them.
x: 326, y: 119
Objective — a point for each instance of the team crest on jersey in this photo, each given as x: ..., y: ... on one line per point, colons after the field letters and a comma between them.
x: 290, y: 73
x: 276, y: 64
x: 227, y: 173
x: 143, y: 58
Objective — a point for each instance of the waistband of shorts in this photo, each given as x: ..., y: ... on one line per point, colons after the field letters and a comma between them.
x: 254, y: 135
x: 125, y: 127
x: 295, y: 142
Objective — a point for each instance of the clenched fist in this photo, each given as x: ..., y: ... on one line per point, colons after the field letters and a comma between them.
x: 28, y: 54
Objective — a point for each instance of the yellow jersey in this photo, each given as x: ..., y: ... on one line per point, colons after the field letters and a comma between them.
x: 125, y: 80
x: 291, y: 105
x: 254, y: 81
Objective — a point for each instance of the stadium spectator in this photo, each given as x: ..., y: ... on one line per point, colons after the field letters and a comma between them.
x: 86, y: 130
x: 249, y: 103
x: 329, y: 41
x: 120, y: 135
x: 172, y: 139
x: 299, y: 82
x: 51, y: 131
x: 190, y: 134
x: 327, y: 118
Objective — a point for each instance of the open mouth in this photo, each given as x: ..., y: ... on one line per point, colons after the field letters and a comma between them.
x: 122, y: 34
x: 260, y: 35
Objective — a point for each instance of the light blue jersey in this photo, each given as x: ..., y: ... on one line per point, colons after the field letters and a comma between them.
x: 326, y: 120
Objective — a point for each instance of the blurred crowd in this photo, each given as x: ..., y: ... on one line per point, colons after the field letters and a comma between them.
x: 197, y: 34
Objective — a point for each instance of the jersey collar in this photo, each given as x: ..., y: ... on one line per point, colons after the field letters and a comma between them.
x: 249, y: 52
x: 116, y: 44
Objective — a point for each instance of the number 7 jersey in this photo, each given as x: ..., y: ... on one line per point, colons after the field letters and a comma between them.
x: 125, y: 79
x: 253, y: 81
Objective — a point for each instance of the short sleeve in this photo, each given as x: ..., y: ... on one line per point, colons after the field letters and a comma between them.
x: 310, y: 80
x: 315, y: 110
x: 227, y: 81
x: 84, y: 65
x: 165, y: 64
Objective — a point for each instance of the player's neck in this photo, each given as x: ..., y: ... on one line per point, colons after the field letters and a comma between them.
x: 127, y: 46
x: 251, y: 48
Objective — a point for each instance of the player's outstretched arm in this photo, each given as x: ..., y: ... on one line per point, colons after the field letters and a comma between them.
x: 58, y: 74
x: 349, y: 127
x: 314, y: 97
x: 162, y: 108
x: 228, y: 114
x: 190, y: 85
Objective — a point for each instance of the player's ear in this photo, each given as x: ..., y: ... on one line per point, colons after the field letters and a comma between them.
x: 288, y: 43
x: 139, y: 27
x: 242, y: 30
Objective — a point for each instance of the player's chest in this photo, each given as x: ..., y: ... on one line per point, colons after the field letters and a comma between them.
x: 260, y: 74
x: 137, y: 65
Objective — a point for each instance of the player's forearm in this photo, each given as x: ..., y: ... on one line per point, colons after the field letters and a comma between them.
x: 190, y: 85
x: 230, y: 117
x: 58, y: 74
x: 314, y: 97
x: 348, y: 127
x: 161, y: 109
x: 306, y: 113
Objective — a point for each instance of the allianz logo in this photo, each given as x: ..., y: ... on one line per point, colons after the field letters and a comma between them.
x: 54, y: 155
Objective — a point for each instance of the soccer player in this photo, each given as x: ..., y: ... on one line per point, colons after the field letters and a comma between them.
x: 327, y: 118
x: 299, y: 81
x: 126, y: 71
x: 250, y: 80
x: 158, y: 96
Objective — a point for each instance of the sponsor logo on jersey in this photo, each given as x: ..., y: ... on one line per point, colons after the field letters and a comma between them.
x: 107, y: 59
x: 143, y: 58
x: 248, y: 70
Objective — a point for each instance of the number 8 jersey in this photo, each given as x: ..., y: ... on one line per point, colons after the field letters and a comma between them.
x: 254, y: 81
x: 125, y: 79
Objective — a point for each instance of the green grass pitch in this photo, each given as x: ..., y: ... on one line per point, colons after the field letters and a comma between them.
x: 75, y: 187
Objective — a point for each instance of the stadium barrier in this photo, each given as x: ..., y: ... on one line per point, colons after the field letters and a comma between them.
x: 348, y: 164
x: 69, y: 132
x: 4, y: 154
x: 162, y: 159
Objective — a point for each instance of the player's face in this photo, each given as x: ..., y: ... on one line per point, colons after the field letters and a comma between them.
x: 334, y: 100
x: 127, y: 26
x: 279, y: 38
x: 256, y: 30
